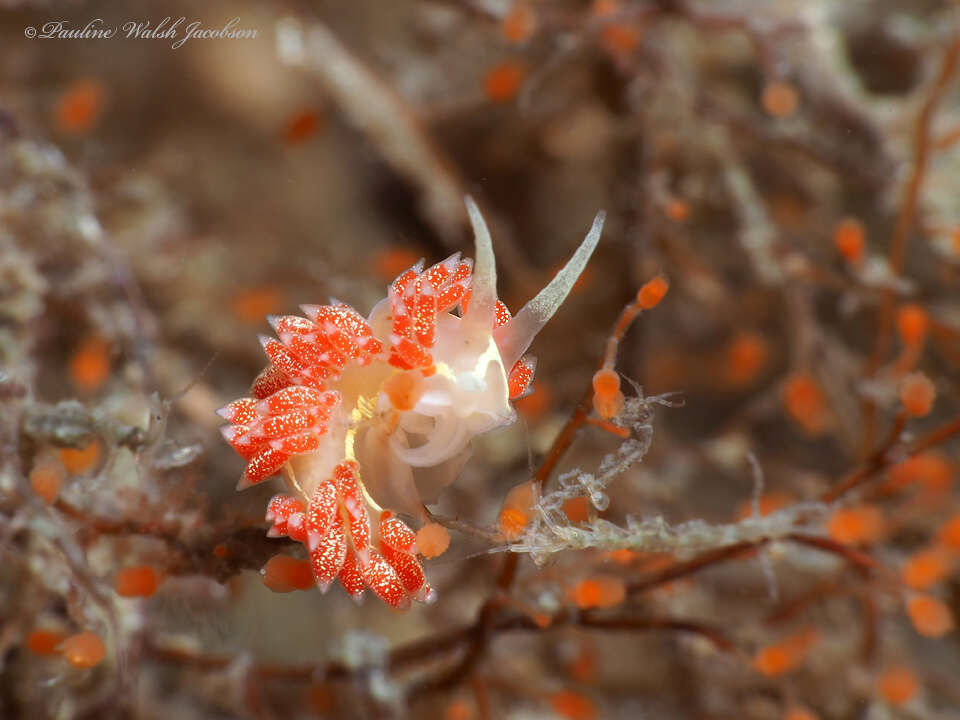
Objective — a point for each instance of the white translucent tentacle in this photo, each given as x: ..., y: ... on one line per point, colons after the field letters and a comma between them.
x: 483, y: 296
x: 515, y: 337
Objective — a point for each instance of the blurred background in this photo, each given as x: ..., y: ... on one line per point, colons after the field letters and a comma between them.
x: 790, y: 168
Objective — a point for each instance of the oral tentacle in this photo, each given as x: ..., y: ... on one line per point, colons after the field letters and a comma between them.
x: 515, y: 337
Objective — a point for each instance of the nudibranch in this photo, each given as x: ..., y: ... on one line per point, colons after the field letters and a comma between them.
x: 371, y: 417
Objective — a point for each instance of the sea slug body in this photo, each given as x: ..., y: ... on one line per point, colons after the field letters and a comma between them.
x: 367, y: 417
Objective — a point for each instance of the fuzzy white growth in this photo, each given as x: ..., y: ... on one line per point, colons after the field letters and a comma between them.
x: 515, y: 337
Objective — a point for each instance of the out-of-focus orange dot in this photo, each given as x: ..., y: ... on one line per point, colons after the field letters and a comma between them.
x: 622, y: 556
x: 46, y: 479
x: 599, y: 591
x: 220, y: 550
x: 90, y: 364
x: 458, y: 709
x: 786, y: 655
x: 620, y: 39
x: 949, y: 534
x: 576, y: 509
x: 912, y: 325
x: 780, y: 99
x: 302, y: 126
x: 534, y: 405
x: 83, y: 460
x: 677, y: 210
x: 744, y: 357
x: 83, y: 650
x: 253, y: 305
x: 929, y: 469
x: 584, y: 666
x: 897, y: 685
x: 503, y: 81
x: 284, y: 574
x: 604, y: 8
x: 573, y: 705
x: 929, y: 616
x: 798, y: 712
x: 78, y: 108
x: 139, y: 581
x: 955, y: 236
x: 805, y: 404
x: 520, y: 23
x: 769, y: 502
x: 652, y: 292
x: 433, y: 540
x: 917, y: 394
x: 849, y: 239
x: 856, y: 525
x: 44, y: 642
x: 925, y: 568
x: 390, y: 262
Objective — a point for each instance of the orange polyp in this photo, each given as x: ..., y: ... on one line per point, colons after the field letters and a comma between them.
x: 599, y: 591
x: 47, y: 478
x: 929, y: 616
x: 576, y: 509
x: 744, y: 357
x: 912, y: 325
x: 284, y: 574
x: 83, y: 650
x: 573, y: 706
x: 949, y: 535
x: 856, y: 526
x: 652, y: 292
x: 917, y: 394
x: 140, y: 581
x: 849, y: 239
x: 512, y: 522
x: 503, y: 81
x: 805, y: 404
x: 925, y: 568
x: 404, y: 389
x: 780, y: 99
x: 608, y: 406
x: 606, y: 382
x: 80, y: 461
x: 90, y: 364
x: 432, y: 540
x: 44, y: 642
x: 897, y: 685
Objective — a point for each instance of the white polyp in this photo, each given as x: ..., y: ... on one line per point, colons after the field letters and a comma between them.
x: 515, y: 337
